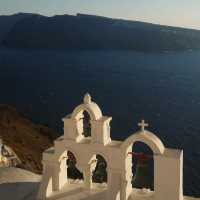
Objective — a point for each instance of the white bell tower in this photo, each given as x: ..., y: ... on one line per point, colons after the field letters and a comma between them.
x: 100, y: 125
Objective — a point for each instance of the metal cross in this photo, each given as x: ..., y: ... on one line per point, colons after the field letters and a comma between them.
x: 142, y: 124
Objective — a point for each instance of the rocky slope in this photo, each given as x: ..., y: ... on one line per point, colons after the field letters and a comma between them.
x: 26, y: 139
x: 7, y: 23
x: 93, y: 32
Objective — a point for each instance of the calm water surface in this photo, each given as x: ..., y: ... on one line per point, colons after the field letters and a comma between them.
x: 164, y: 89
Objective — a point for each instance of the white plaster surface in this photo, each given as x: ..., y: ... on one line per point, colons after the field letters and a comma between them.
x: 168, y: 163
x: 18, y: 184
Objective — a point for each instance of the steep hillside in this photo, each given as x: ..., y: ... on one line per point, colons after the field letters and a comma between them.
x: 27, y: 139
x: 8, y: 22
x: 93, y: 32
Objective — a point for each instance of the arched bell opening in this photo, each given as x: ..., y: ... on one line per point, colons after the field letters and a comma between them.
x: 84, y: 124
x: 98, y: 169
x: 142, y: 166
x: 99, y: 175
x: 73, y: 172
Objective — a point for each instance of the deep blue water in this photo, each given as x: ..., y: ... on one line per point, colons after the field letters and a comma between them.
x: 164, y: 89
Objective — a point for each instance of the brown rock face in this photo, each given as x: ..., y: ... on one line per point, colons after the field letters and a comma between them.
x: 26, y: 139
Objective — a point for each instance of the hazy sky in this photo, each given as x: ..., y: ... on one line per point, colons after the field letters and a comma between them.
x: 184, y: 13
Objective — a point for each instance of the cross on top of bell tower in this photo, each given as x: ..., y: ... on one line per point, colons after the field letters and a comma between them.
x: 142, y: 124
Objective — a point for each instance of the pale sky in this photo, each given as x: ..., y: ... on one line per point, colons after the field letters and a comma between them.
x: 185, y: 13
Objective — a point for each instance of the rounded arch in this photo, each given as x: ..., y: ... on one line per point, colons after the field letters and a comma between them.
x: 98, y: 168
x: 147, y: 138
x: 93, y: 155
x: 142, y: 166
x: 93, y: 110
x: 64, y: 155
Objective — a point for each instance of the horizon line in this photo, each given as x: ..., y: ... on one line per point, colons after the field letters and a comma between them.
x: 109, y: 17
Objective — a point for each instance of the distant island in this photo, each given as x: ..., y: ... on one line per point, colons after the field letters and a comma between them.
x: 87, y: 32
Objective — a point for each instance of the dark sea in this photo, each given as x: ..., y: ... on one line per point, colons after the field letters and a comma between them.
x: 163, y: 89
